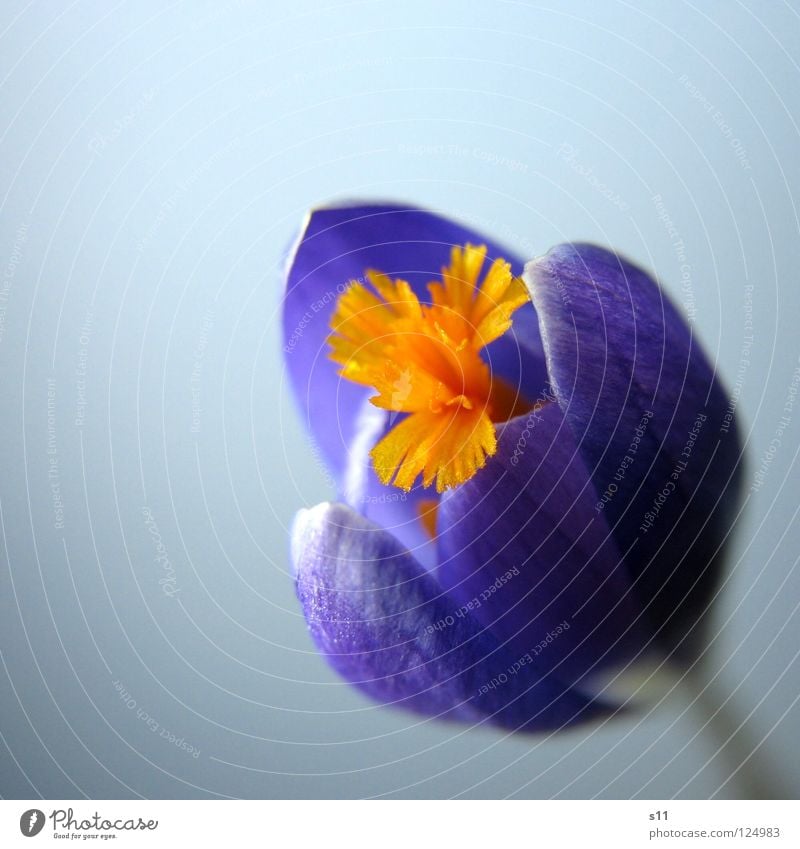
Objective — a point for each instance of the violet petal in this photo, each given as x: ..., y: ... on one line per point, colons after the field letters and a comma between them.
x: 634, y: 383
x: 523, y: 547
x: 383, y: 623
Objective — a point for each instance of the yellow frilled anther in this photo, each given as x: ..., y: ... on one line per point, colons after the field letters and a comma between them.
x: 424, y: 360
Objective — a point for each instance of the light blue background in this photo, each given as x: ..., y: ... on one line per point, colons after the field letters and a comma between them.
x: 155, y: 160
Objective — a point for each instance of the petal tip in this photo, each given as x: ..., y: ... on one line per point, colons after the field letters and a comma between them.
x: 306, y: 522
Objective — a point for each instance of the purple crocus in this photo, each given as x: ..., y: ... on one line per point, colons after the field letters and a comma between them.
x: 537, y: 467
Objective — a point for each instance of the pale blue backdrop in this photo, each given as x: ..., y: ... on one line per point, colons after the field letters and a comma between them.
x: 155, y: 159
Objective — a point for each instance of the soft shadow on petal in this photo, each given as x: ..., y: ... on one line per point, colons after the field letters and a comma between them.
x: 384, y: 625
x: 617, y: 350
x: 393, y: 509
x: 524, y: 547
x: 337, y: 245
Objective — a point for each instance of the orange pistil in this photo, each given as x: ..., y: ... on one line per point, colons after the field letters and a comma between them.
x: 424, y: 360
x: 427, y: 512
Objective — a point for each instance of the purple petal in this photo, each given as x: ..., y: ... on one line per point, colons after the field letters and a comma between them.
x: 522, y: 546
x: 384, y: 625
x: 337, y: 245
x: 393, y: 509
x: 618, y: 351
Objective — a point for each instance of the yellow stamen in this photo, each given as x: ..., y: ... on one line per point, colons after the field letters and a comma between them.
x: 424, y: 360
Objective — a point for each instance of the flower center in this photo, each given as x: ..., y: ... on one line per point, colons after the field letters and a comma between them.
x: 424, y: 360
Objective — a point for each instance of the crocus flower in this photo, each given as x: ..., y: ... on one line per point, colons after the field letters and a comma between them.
x: 537, y: 468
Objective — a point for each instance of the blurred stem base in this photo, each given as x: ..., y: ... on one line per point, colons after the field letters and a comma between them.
x: 740, y: 753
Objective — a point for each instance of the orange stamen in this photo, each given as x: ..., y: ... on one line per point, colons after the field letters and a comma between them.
x: 427, y: 509
x: 424, y: 360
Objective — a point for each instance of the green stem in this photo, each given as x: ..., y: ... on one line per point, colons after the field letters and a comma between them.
x: 738, y: 749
